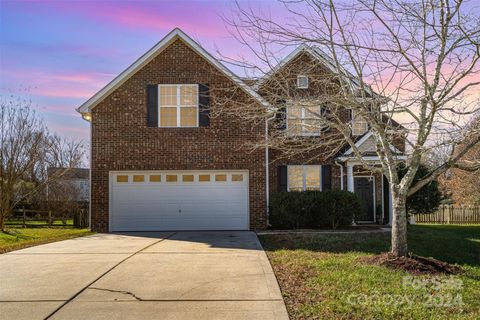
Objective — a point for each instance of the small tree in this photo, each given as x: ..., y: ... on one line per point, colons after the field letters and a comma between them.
x: 22, y: 146
x: 27, y: 150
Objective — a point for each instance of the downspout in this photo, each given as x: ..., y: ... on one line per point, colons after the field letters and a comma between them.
x: 341, y: 174
x: 267, y: 170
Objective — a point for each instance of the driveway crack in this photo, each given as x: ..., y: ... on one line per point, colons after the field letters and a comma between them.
x: 118, y: 291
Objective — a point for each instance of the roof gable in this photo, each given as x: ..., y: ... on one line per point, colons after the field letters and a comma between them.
x: 319, y: 55
x: 366, y: 144
x: 175, y: 34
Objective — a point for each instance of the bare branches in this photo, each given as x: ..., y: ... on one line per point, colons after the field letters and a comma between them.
x: 27, y: 150
x: 373, y: 60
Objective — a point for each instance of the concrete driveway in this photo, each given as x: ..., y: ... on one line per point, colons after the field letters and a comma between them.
x: 151, y: 275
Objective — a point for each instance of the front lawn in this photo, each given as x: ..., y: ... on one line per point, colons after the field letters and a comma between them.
x: 14, y: 239
x: 328, y: 277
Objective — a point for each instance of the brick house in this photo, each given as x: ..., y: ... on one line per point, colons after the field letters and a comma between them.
x: 160, y: 160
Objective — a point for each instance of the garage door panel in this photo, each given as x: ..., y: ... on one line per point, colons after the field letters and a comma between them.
x: 179, y: 205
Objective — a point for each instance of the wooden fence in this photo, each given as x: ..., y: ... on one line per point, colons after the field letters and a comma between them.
x: 450, y: 214
x: 22, y: 217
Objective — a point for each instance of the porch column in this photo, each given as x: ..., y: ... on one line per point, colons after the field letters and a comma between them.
x: 350, y: 177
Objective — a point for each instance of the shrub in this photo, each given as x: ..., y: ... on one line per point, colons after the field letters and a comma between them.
x: 314, y: 209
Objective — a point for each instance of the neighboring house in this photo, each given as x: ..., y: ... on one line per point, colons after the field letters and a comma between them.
x: 159, y: 161
x: 69, y: 183
x: 463, y: 187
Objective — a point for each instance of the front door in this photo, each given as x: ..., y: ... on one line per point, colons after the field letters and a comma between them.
x: 364, y: 189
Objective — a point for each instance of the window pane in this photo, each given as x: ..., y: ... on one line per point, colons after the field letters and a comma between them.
x: 311, y: 126
x: 155, y: 178
x: 188, y: 116
x: 312, y: 123
x: 312, y: 177
x: 294, y: 120
x: 122, y: 179
x: 295, y: 177
x: 294, y: 126
x: 168, y: 95
x: 168, y: 117
x: 220, y: 177
x: 138, y: 178
x: 312, y: 112
x: 188, y: 95
x: 237, y: 177
x: 171, y: 178
x: 294, y: 112
x: 204, y: 178
x: 187, y: 178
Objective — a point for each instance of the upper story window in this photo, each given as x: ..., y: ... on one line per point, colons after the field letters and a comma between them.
x: 178, y: 105
x: 303, y: 120
x: 303, y: 178
x: 302, y: 82
x: 359, y: 125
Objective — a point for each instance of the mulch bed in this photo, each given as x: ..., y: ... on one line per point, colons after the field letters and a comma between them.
x: 413, y: 264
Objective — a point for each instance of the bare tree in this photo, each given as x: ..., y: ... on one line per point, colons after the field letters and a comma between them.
x: 416, y: 61
x: 22, y: 145
x: 27, y: 151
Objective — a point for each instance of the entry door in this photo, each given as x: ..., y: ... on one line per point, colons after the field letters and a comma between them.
x: 364, y: 188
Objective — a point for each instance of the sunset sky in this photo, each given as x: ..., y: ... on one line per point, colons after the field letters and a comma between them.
x: 60, y: 53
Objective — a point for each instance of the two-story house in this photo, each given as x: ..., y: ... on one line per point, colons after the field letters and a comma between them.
x: 161, y: 161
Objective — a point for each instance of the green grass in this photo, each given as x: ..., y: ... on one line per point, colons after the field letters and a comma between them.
x: 14, y: 239
x: 324, y: 276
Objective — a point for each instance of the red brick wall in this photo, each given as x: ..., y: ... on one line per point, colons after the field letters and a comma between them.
x: 122, y: 141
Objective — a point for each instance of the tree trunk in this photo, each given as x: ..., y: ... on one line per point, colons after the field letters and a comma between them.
x: 2, y: 222
x: 399, y: 225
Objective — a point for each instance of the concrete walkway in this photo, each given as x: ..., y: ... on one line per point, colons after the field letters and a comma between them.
x: 152, y: 275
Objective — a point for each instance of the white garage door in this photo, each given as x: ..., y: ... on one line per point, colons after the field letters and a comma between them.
x: 178, y: 200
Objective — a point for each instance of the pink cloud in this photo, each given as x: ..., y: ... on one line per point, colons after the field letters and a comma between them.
x: 81, y: 85
x: 152, y: 16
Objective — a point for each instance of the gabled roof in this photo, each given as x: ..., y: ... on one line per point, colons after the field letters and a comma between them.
x: 152, y: 53
x: 365, y: 138
x: 319, y: 55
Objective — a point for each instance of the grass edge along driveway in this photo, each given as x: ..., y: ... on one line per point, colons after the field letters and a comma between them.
x: 323, y: 276
x: 14, y: 239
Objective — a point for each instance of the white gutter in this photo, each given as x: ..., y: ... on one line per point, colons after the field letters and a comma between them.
x: 90, y: 176
x: 341, y: 174
x: 267, y: 180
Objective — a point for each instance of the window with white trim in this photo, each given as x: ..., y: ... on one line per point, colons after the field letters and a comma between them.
x: 304, y: 177
x: 302, y: 82
x: 359, y: 124
x: 178, y: 105
x: 303, y: 120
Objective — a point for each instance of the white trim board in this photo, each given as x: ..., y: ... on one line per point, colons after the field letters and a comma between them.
x: 176, y: 33
x: 363, y: 139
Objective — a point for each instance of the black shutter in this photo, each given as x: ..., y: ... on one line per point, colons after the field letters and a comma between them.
x: 204, y: 105
x: 326, y: 177
x: 282, y: 178
x: 326, y: 113
x: 281, y: 115
x: 152, y: 105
